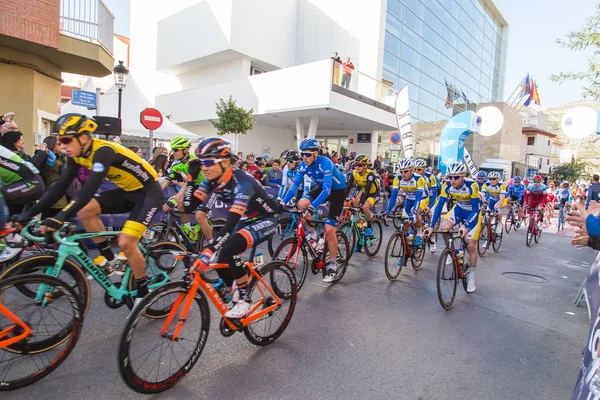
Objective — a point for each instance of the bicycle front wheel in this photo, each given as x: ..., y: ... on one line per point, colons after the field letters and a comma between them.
x: 348, y: 229
x: 508, y: 224
x: 529, y: 235
x: 151, y: 361
x: 373, y: 242
x: 295, y: 257
x: 394, y: 256
x: 497, y: 240
x: 343, y: 253
x: 278, y: 280
x: 484, y: 239
x: 39, y: 353
x: 447, y: 279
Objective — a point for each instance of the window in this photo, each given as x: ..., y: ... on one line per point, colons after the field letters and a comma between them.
x: 548, y: 162
x: 394, y: 26
x: 530, y: 140
x: 412, y: 39
x: 392, y: 43
x: 413, y: 22
x: 256, y: 71
x: 391, y: 62
x: 548, y: 143
x: 397, y: 9
x: 411, y: 56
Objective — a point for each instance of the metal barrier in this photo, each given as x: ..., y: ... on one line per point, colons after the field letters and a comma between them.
x: 88, y: 20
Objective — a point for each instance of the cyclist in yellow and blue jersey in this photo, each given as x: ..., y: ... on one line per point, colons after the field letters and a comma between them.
x: 368, y: 186
x: 416, y: 196
x: 465, y: 192
x: 431, y: 182
x: 495, y: 192
x: 481, y: 179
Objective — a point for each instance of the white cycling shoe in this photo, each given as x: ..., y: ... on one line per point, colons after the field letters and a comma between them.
x: 241, y: 308
x: 471, y: 282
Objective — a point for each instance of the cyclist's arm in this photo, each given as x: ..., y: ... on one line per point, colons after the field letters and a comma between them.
x: 392, y: 201
x: 440, y: 204
x: 103, y: 159
x: 284, y: 183
x: 368, y: 186
x: 433, y: 190
x: 418, y: 195
x: 349, y: 184
x: 57, y: 190
x: 194, y: 195
x: 592, y: 225
x: 325, y: 189
x: 474, y: 204
x: 298, y: 180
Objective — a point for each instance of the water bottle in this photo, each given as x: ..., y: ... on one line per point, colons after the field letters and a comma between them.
x: 320, y: 245
x: 222, y: 290
x: 409, y: 238
x: 460, y: 255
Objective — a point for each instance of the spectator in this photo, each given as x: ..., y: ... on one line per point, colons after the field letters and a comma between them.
x: 51, y: 170
x: 378, y: 163
x: 252, y: 168
x: 337, y: 63
x: 240, y: 155
x: 586, y: 223
x: 13, y: 141
x: 160, y: 150
x: 347, y: 69
x: 7, y: 127
x: 274, y: 176
x: 593, y: 192
x: 334, y: 157
x: 136, y: 150
x: 160, y: 164
x: 244, y: 166
x: 259, y: 172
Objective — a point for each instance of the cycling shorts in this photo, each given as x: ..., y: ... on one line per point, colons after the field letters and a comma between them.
x: 458, y: 215
x: 141, y: 204
x: 336, y: 203
x: 492, y: 204
x: 410, y: 204
x: 372, y: 199
x: 25, y: 191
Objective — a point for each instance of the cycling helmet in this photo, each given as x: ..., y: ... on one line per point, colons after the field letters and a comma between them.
x: 457, y: 168
x: 310, y: 144
x: 537, y: 178
x: 292, y: 155
x: 517, y: 178
x: 352, y: 155
x: 266, y: 155
x: 481, y: 174
x: 494, y: 175
x: 405, y: 163
x: 420, y: 163
x: 74, y: 124
x: 214, y: 147
x: 180, y: 143
x: 565, y: 184
x: 362, y: 160
x: 526, y: 181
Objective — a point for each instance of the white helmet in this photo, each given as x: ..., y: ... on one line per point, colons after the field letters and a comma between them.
x: 405, y: 163
x: 457, y: 168
x: 494, y: 174
x: 420, y: 163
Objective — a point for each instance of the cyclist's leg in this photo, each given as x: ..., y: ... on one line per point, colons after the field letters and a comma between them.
x: 472, y: 237
x: 303, y: 204
x: 336, y: 203
x: 366, y: 208
x: 21, y: 193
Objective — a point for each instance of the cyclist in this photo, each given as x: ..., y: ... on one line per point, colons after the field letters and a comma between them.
x: 177, y: 175
x: 22, y: 183
x: 414, y: 187
x: 465, y: 192
x: 250, y: 220
x: 368, y: 187
x: 515, y: 191
x: 565, y: 196
x: 330, y: 184
x: 292, y: 159
x: 495, y: 193
x: 137, y: 192
x: 481, y: 182
x: 536, y: 196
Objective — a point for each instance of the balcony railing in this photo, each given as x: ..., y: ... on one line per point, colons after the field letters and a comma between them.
x: 364, y: 85
x: 88, y: 20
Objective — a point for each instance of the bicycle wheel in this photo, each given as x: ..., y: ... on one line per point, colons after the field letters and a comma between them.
x: 161, y: 234
x: 71, y: 273
x: 373, y: 242
x: 497, y: 241
x: 418, y: 252
x: 348, y: 229
x: 161, y: 255
x: 538, y: 234
x: 343, y: 252
x: 38, y: 354
x: 529, y: 235
x: 282, y: 282
x: 286, y: 233
x: 483, y: 242
x: 397, y: 219
x: 508, y: 223
x: 394, y: 256
x: 447, y: 279
x: 151, y: 362
x: 216, y: 225
x: 295, y: 257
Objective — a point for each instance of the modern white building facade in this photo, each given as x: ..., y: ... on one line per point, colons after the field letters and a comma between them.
x: 274, y: 56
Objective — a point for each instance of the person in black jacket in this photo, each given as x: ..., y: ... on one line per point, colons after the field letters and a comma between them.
x: 593, y: 192
x: 13, y: 141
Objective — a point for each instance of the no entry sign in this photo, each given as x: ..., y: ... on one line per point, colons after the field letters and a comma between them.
x: 151, y: 118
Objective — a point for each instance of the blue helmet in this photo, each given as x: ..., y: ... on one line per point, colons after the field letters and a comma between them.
x: 517, y: 178
x: 481, y: 174
x: 310, y: 144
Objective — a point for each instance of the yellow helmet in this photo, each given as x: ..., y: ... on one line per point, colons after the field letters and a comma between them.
x: 74, y: 124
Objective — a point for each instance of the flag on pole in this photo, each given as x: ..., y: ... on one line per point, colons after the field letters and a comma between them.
x: 526, y: 87
x: 464, y: 97
x: 450, y: 97
x: 536, y: 95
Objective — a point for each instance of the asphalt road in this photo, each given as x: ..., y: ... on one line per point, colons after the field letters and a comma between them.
x: 368, y: 338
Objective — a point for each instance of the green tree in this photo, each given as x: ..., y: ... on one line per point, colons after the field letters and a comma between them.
x: 588, y: 37
x: 570, y: 172
x: 232, y: 119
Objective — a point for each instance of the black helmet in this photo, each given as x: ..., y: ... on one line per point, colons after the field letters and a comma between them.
x: 214, y: 147
x: 361, y: 159
x: 292, y: 155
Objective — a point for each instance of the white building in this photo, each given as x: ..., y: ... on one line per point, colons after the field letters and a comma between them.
x: 535, y: 118
x: 537, y: 146
x: 274, y: 56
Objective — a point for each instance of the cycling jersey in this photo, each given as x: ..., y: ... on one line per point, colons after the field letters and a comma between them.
x: 481, y: 185
x: 414, y: 188
x: 466, y: 198
x: 13, y: 168
x: 131, y: 174
x: 565, y: 196
x: 516, y: 191
x: 288, y: 179
x: 433, y: 185
x: 367, y: 182
x: 324, y: 174
x: 493, y: 192
x: 178, y: 170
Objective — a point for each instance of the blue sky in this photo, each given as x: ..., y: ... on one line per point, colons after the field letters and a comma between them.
x: 534, y: 26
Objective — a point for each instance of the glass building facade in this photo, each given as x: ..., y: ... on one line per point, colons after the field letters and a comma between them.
x: 430, y: 42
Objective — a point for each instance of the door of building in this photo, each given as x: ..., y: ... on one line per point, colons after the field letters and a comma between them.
x: 334, y: 143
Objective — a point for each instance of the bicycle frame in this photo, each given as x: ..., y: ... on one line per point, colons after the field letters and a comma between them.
x: 352, y: 212
x: 450, y: 238
x: 7, y: 331
x: 535, y: 214
x: 185, y: 300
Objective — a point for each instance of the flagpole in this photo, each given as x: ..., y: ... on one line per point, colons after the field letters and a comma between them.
x: 519, y: 86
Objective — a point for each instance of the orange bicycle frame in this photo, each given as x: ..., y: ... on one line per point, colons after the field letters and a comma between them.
x: 6, y: 331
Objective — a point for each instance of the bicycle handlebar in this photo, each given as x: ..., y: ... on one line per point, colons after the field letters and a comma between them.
x: 30, y: 236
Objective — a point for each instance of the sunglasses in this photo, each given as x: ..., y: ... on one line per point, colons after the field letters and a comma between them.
x: 420, y: 169
x: 454, y: 177
x: 405, y: 171
x: 493, y: 179
x: 210, y: 162
x: 306, y: 155
x: 480, y: 179
x: 65, y: 140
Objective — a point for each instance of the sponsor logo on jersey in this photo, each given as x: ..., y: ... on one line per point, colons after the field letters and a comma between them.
x: 138, y: 170
x: 8, y: 164
x: 97, y: 167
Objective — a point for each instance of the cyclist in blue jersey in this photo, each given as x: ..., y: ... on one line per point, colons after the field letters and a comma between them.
x: 515, y: 192
x: 292, y: 159
x: 565, y: 196
x: 330, y: 184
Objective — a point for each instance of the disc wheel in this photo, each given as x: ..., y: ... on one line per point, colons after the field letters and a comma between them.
x: 37, y: 354
x: 373, y: 242
x: 295, y: 257
x: 150, y: 362
x: 394, y: 256
x: 446, y: 279
x: 280, y: 279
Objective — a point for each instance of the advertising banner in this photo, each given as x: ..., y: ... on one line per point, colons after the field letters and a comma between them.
x: 403, y: 119
x: 454, y: 134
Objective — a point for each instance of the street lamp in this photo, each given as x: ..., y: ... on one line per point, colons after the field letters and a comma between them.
x: 120, y: 73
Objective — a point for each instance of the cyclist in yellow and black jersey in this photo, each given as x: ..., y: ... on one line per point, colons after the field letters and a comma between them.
x: 137, y: 192
x: 367, y: 183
